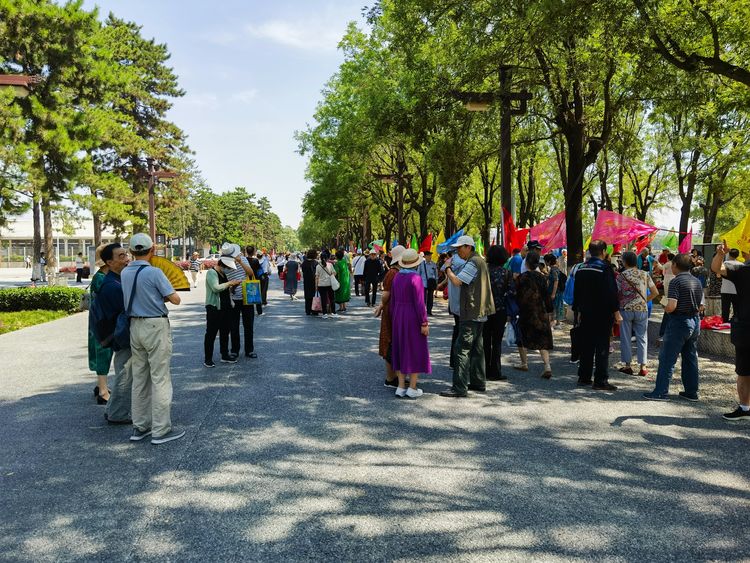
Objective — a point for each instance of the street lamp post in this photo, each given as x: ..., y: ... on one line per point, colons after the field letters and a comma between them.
x: 482, y: 101
x: 155, y: 175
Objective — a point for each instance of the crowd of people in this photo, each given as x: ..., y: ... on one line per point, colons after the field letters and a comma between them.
x: 515, y: 300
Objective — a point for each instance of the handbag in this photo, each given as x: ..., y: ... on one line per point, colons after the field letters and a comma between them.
x: 121, y: 335
x: 251, y: 294
x: 85, y: 303
x: 316, y: 305
x: 299, y: 275
x: 282, y: 275
x: 335, y: 285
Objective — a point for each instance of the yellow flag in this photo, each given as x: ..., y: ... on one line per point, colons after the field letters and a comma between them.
x: 586, y: 244
x: 739, y: 237
x: 439, y: 240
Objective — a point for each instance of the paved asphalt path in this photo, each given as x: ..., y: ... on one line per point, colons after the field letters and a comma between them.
x: 303, y: 455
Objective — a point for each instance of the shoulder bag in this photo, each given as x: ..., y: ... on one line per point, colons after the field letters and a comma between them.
x: 121, y: 336
x: 638, y: 291
x: 335, y: 284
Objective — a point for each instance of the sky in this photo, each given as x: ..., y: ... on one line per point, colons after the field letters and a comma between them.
x: 253, y: 71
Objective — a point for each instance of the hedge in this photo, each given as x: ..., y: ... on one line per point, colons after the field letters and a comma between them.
x: 55, y: 298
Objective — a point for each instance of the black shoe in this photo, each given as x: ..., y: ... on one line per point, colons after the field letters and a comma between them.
x: 452, y: 393
x: 737, y: 415
x: 209, y: 364
x: 229, y: 360
x: 688, y: 397
x: 583, y: 383
x: 392, y: 384
x: 477, y: 388
x: 251, y: 355
x: 497, y: 378
x: 604, y: 387
x: 126, y: 421
x: 101, y: 400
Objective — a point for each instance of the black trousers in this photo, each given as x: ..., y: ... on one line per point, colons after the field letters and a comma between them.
x: 263, y: 290
x: 429, y: 295
x: 79, y: 274
x: 492, y: 333
x: 217, y: 321
x: 359, y: 280
x: 728, y: 300
x: 454, y: 337
x: 247, y: 314
x: 371, y: 285
x: 326, y: 299
x: 594, y: 334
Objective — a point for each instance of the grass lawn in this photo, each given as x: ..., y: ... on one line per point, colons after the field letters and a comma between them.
x: 22, y: 319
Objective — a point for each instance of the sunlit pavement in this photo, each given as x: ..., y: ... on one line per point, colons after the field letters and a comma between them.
x: 302, y: 454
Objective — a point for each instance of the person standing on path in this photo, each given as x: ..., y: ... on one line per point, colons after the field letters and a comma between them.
x: 239, y: 311
x: 323, y: 274
x: 42, y: 267
x: 740, y: 277
x: 729, y: 298
x: 220, y: 310
x: 343, y: 274
x: 454, y: 299
x: 150, y: 344
x: 410, y: 349
x: 359, y: 271
x: 384, y: 312
x: 534, y: 308
x: 309, y: 266
x: 501, y: 279
x: 555, y: 290
x: 681, y: 326
x: 79, y: 267
x: 257, y: 271
x: 635, y: 289
x: 292, y: 271
x: 27, y: 262
x: 429, y: 273
x: 195, y: 268
x: 110, y: 303
x: 265, y: 273
x: 596, y: 305
x: 100, y: 358
x: 372, y: 270
x: 476, y: 306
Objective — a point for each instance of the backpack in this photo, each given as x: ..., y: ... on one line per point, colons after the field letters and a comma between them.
x: 569, y: 285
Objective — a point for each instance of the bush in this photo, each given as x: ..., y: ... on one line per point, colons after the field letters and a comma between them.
x: 54, y: 298
x: 184, y: 264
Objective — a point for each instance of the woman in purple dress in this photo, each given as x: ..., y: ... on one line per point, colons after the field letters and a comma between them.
x: 410, y: 351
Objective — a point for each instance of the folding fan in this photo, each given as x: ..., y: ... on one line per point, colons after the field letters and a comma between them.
x: 174, y: 273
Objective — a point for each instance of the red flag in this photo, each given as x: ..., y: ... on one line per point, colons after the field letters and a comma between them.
x: 644, y: 241
x: 687, y: 243
x: 509, y: 228
x: 426, y: 244
x: 518, y: 240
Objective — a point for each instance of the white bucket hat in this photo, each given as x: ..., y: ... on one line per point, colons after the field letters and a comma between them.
x: 410, y: 258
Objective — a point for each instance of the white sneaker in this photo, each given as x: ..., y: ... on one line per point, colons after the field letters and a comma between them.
x: 413, y: 393
x: 326, y: 316
x: 400, y: 392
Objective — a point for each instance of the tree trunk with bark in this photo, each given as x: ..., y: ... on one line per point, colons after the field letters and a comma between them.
x: 49, y: 242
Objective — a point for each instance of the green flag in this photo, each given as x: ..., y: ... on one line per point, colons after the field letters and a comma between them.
x: 414, y: 242
x: 670, y: 242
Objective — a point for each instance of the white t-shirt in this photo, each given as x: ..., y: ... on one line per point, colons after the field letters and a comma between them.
x: 727, y: 286
x: 79, y: 263
x: 359, y: 265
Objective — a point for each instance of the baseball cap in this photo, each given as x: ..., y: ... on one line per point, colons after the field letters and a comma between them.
x: 463, y: 240
x: 140, y: 241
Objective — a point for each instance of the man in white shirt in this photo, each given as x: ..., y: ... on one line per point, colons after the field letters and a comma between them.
x: 429, y: 273
x: 359, y: 271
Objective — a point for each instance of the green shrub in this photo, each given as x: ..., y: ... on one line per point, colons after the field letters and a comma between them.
x: 54, y: 298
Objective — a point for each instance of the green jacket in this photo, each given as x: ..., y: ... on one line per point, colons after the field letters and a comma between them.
x: 213, y: 288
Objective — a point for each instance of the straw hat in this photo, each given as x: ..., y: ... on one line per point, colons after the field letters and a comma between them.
x: 410, y: 258
x: 396, y: 252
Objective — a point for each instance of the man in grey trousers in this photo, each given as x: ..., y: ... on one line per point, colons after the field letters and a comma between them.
x: 150, y: 344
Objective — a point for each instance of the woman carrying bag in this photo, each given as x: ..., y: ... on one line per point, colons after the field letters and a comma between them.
x: 324, y: 279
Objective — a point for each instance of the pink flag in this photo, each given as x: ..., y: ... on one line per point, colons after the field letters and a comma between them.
x: 551, y: 233
x: 687, y: 243
x: 614, y: 228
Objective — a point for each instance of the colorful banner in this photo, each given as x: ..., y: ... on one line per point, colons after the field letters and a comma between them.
x: 551, y: 233
x: 687, y: 243
x: 739, y: 237
x: 437, y: 242
x: 614, y: 228
x: 426, y: 244
x: 670, y: 242
x: 446, y: 246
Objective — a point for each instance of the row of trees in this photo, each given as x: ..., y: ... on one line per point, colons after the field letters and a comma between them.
x: 635, y: 105
x: 94, y: 128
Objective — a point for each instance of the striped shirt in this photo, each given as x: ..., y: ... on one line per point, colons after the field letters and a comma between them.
x: 195, y: 265
x: 237, y: 274
x: 688, y: 292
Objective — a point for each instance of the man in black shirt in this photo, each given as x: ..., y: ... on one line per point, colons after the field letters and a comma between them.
x: 373, y: 269
x: 681, y: 326
x: 740, y: 276
x: 596, y: 306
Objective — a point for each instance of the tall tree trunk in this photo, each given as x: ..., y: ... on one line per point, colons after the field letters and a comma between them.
x: 450, y: 211
x: 574, y: 192
x: 49, y: 242
x: 621, y: 187
x: 98, y: 231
